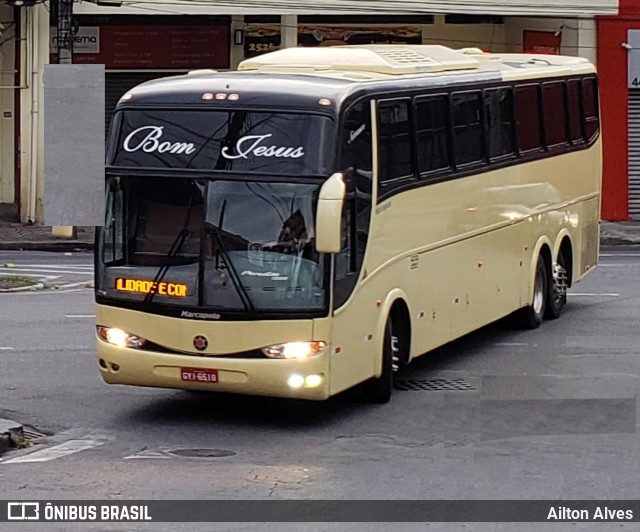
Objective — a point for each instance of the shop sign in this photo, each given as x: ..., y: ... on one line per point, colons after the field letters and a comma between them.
x: 260, y: 38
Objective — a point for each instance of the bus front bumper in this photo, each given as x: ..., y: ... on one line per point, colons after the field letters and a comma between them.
x: 301, y: 379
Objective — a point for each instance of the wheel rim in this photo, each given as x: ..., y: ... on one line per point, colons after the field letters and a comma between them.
x: 538, y: 294
x: 560, y: 283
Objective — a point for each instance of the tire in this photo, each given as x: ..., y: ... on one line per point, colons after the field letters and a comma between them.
x: 531, y: 316
x: 557, y: 293
x: 378, y: 389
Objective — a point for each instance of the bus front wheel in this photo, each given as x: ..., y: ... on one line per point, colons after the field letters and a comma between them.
x: 378, y: 389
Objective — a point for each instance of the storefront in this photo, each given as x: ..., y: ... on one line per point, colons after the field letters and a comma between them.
x: 168, y: 37
x: 9, y: 83
x: 135, y: 49
x: 619, y: 69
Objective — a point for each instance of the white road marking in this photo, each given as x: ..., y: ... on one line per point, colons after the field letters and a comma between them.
x: 80, y: 316
x: 7, y: 348
x: 586, y: 294
x: 150, y: 454
x: 61, y: 266
x: 47, y: 270
x: 49, y: 277
x: 57, y: 451
x: 620, y: 254
x: 510, y: 344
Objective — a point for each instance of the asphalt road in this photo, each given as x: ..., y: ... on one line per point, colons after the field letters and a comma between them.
x: 547, y: 414
x: 56, y: 269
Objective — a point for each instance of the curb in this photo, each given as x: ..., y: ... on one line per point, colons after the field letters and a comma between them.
x: 68, y: 245
x: 31, y: 287
x: 11, y: 432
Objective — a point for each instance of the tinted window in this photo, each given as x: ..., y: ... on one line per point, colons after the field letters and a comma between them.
x: 499, y: 112
x: 356, y: 138
x: 356, y: 161
x: 575, y: 112
x: 590, y: 105
x: 395, y: 152
x: 433, y: 137
x: 467, y: 130
x: 240, y: 141
x: 555, y: 116
x: 528, y: 118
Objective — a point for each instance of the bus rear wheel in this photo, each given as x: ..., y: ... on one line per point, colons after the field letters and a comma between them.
x: 531, y: 316
x: 379, y: 389
x: 558, y: 283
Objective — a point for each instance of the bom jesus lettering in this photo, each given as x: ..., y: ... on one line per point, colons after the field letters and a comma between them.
x: 149, y: 140
x: 252, y: 145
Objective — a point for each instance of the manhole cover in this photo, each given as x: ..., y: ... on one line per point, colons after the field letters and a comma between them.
x: 434, y: 385
x: 202, y: 453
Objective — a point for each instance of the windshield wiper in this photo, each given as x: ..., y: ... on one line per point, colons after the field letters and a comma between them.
x: 165, y: 263
x: 233, y: 273
x: 175, y: 248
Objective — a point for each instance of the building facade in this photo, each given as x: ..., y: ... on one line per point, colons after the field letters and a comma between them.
x: 167, y: 37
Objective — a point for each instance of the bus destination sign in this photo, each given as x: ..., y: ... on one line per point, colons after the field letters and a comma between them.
x: 162, y: 288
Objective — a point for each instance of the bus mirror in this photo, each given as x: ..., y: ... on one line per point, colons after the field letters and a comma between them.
x: 329, y: 215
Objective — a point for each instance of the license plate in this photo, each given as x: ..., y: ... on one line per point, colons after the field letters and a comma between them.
x: 199, y: 375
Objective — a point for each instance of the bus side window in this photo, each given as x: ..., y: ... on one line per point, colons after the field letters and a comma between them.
x: 555, y: 114
x: 467, y: 127
x: 395, y: 160
x: 356, y: 163
x: 498, y: 105
x: 576, y: 119
x: 113, y: 249
x: 528, y: 128
x: 590, y: 106
x: 432, y: 119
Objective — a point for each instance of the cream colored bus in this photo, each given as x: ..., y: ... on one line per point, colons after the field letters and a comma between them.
x: 321, y: 217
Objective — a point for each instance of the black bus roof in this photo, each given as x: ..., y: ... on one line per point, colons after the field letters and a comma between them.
x: 303, y: 78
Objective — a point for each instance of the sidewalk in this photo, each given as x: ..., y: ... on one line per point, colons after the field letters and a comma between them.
x: 16, y: 236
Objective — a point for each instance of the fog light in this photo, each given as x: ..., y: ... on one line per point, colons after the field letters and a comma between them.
x: 312, y: 381
x: 295, y: 381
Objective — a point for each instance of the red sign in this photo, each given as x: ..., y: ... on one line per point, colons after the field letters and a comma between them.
x: 153, y: 47
x: 541, y: 42
x: 199, y: 375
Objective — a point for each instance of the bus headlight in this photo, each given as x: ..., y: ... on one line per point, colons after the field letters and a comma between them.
x: 299, y: 350
x: 120, y: 338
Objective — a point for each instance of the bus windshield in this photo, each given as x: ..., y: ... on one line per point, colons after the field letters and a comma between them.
x: 238, y: 141
x: 218, y: 244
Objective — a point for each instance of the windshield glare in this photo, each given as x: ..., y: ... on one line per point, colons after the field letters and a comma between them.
x: 215, y: 244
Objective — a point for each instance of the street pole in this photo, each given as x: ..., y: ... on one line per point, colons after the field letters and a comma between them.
x: 62, y: 17
x: 65, y: 31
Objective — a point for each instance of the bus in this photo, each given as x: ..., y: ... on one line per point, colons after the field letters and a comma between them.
x: 318, y: 218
